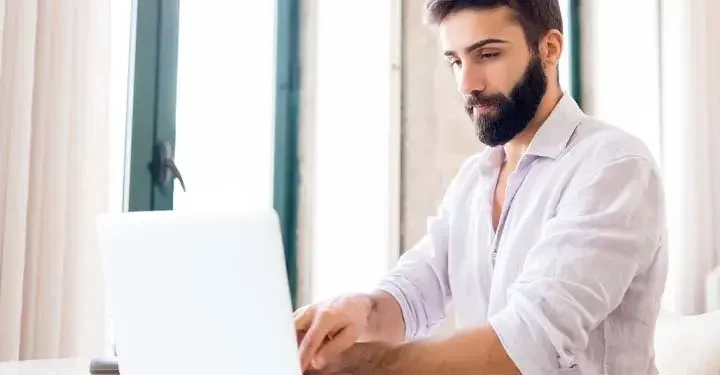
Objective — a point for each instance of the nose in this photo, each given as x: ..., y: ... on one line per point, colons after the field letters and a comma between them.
x: 469, y: 80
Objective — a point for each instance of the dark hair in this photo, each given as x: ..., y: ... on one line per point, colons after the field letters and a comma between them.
x: 536, y: 17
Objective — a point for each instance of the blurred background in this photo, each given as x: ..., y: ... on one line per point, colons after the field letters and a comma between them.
x: 340, y: 115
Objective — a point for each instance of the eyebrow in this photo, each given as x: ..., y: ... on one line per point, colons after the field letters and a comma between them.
x: 476, y: 45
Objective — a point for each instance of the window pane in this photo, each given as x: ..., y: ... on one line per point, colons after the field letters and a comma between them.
x: 225, y: 111
x: 352, y: 151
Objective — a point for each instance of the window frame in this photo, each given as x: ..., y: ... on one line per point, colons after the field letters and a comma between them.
x: 153, y: 108
x: 575, y: 23
x: 287, y: 112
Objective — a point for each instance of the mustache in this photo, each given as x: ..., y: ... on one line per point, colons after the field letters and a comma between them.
x: 477, y: 99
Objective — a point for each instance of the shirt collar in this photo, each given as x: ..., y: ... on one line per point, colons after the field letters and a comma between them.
x: 554, y: 135
x: 550, y: 140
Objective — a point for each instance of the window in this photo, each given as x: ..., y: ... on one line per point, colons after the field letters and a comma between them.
x: 624, y: 68
x: 215, y: 87
x: 224, y: 113
x: 355, y: 146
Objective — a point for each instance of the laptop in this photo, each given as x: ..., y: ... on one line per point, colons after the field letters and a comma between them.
x: 198, y: 293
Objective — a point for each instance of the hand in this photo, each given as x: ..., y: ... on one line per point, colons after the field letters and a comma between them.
x: 327, y: 329
x: 362, y: 358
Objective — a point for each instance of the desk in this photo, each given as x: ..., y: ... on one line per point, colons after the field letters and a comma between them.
x: 46, y: 367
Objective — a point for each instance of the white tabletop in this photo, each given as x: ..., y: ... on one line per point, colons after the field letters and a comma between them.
x: 46, y: 367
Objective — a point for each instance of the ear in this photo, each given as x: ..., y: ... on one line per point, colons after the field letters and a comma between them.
x: 551, y: 47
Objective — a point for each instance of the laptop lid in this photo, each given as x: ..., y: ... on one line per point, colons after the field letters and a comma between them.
x: 194, y: 293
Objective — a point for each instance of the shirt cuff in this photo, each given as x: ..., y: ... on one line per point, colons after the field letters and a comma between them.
x: 529, y: 350
x: 404, y: 292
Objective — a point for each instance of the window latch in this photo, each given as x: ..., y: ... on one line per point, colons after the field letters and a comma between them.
x: 165, y: 170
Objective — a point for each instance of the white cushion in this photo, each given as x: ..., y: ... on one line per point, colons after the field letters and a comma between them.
x: 688, y: 344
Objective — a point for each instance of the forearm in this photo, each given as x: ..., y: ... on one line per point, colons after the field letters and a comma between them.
x: 472, y: 352
x: 385, y: 322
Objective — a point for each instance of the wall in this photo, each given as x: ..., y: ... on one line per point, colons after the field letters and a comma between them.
x: 437, y: 134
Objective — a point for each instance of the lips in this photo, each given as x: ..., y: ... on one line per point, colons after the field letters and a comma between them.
x: 478, y: 107
x: 484, y: 108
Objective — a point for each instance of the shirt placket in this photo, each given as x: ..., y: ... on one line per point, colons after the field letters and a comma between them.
x: 515, y: 180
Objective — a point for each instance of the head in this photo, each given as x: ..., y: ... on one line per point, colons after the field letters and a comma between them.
x: 504, y: 55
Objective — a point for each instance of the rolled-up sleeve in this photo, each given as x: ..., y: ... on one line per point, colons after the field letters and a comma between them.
x: 419, y: 282
x: 606, y: 230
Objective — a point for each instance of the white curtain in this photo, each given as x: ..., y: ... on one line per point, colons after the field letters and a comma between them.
x: 690, y: 81
x: 54, y: 79
x: 661, y: 82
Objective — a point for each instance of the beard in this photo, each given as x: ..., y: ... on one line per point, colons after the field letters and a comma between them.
x: 507, y: 117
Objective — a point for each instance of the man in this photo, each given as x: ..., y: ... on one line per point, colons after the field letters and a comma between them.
x: 550, y: 243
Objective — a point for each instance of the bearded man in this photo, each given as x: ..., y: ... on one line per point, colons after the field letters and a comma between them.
x: 550, y: 243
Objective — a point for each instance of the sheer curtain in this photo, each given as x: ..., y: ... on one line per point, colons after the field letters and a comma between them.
x: 54, y: 87
x: 690, y: 81
x: 661, y: 82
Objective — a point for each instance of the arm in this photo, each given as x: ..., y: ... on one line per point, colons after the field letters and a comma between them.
x: 412, y: 296
x: 611, y: 221
x: 471, y: 352
x: 385, y: 322
x: 419, y: 287
x: 405, y: 304
x: 419, y: 283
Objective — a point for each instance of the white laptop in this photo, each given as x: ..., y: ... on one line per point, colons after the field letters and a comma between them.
x: 194, y: 293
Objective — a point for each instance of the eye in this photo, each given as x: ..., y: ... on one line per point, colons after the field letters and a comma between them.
x: 489, y: 55
x: 453, y: 63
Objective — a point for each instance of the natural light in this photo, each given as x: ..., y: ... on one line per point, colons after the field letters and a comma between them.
x: 352, y: 200
x: 225, y: 111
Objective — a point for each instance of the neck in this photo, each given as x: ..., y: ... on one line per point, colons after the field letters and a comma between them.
x: 516, y: 148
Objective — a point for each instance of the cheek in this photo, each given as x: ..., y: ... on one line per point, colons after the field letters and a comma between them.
x: 498, y: 76
x: 504, y: 76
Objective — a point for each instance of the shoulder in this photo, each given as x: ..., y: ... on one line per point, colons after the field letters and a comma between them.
x: 607, y: 167
x: 597, y: 144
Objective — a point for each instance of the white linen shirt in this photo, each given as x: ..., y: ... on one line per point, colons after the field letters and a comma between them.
x: 572, y: 280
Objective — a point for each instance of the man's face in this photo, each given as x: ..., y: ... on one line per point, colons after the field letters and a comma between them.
x: 501, y: 79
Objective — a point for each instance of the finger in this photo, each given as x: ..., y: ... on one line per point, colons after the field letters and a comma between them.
x: 312, y: 341
x: 322, y: 325
x: 303, y: 319
x: 332, y: 349
x: 300, y: 335
x: 301, y: 311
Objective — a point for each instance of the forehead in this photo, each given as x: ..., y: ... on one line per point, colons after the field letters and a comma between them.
x: 466, y: 27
